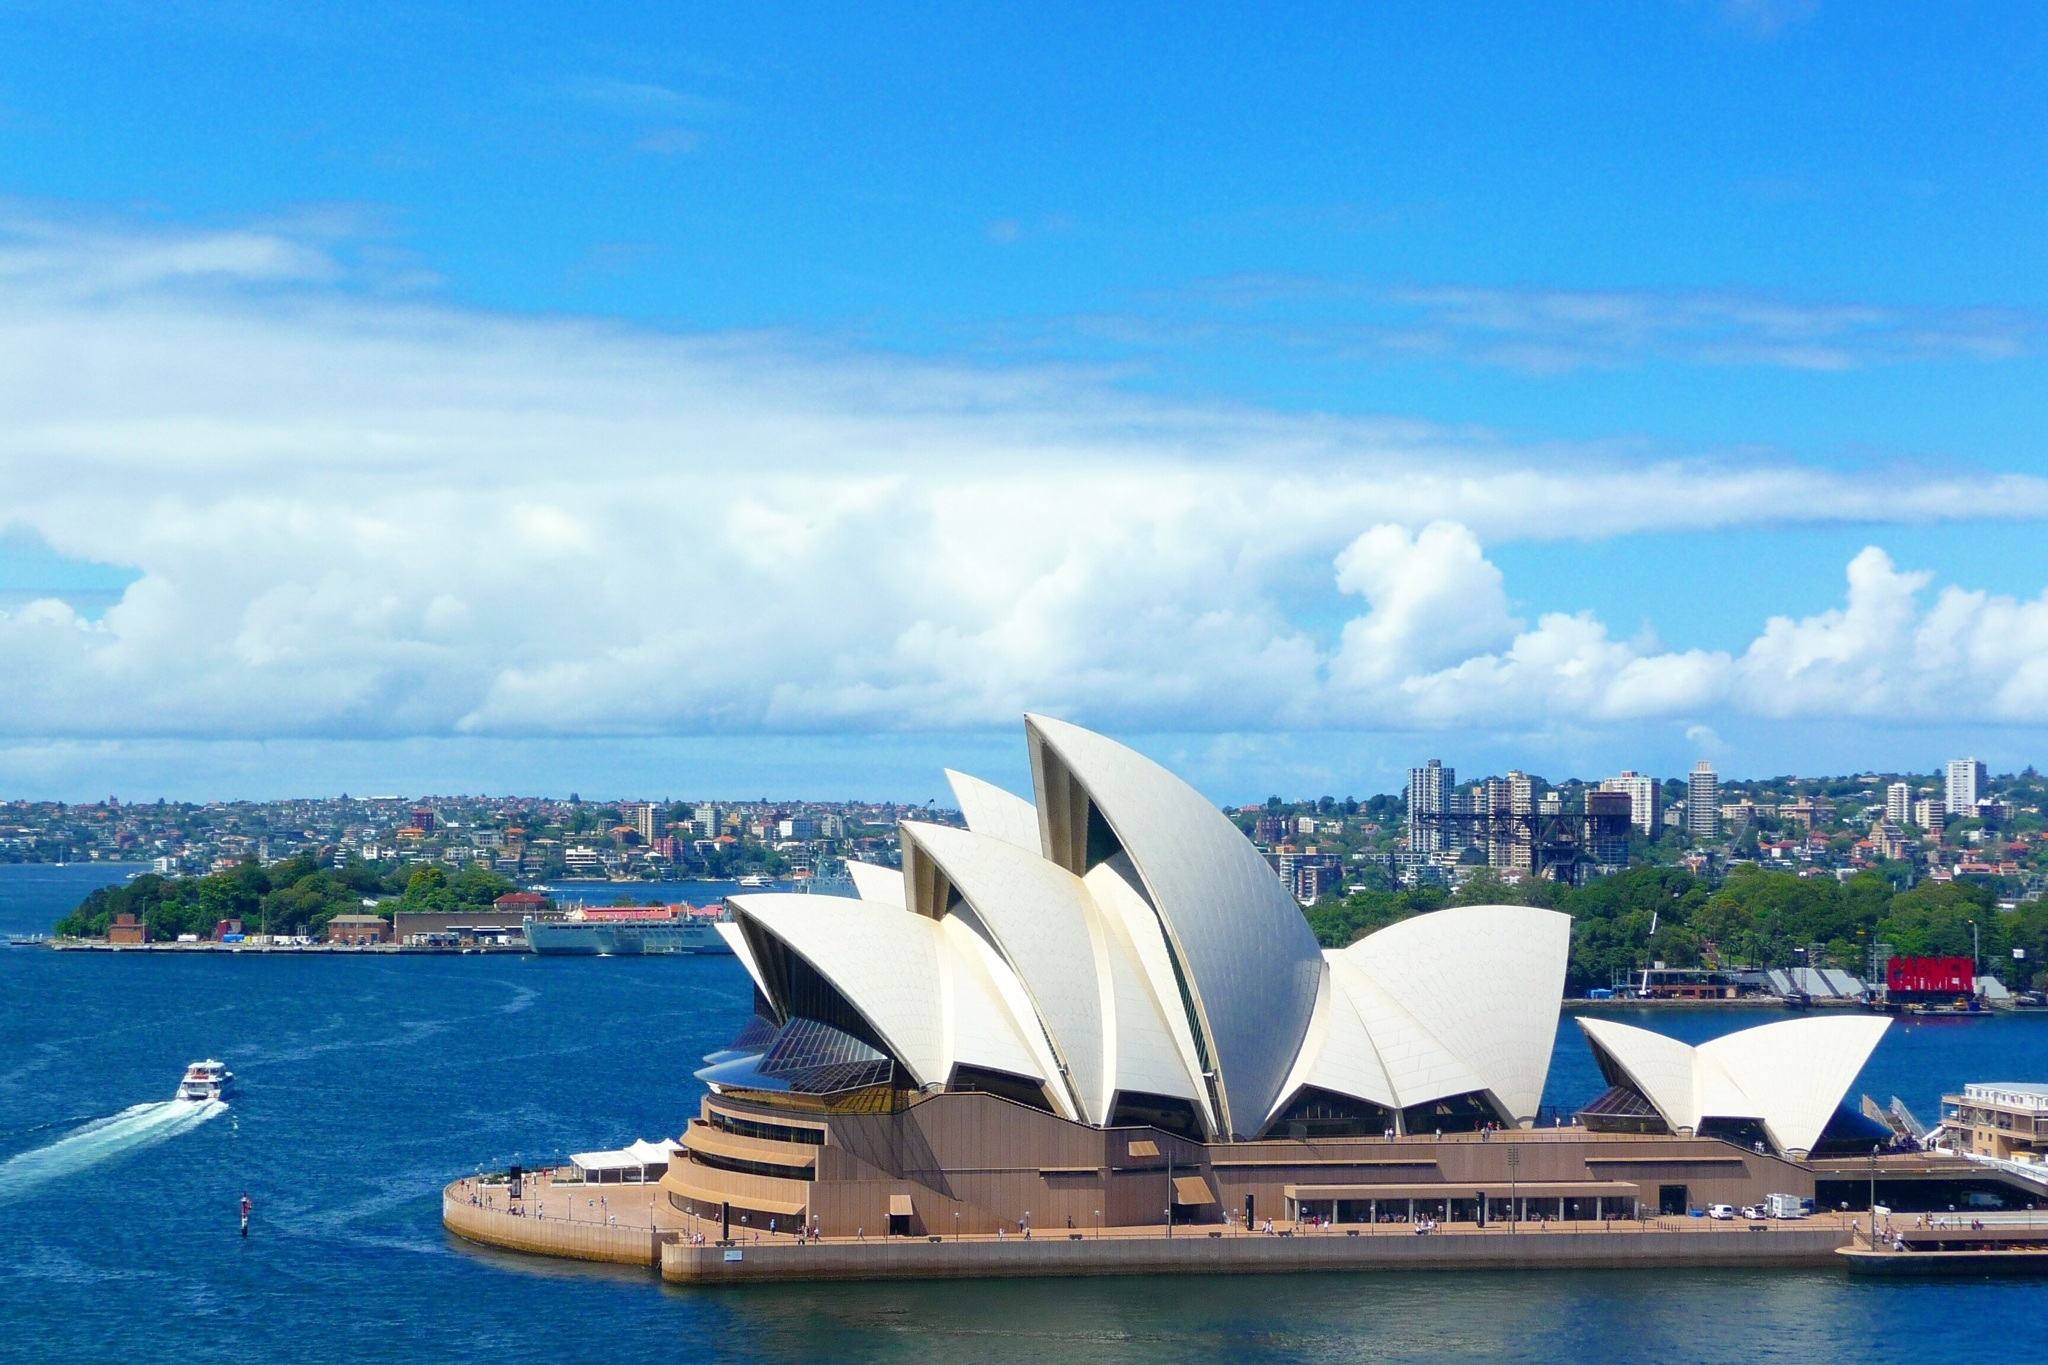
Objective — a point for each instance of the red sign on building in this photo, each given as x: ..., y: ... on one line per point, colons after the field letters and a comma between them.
x: 1931, y: 976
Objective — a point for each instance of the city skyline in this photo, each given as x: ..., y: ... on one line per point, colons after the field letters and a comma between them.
x: 791, y: 404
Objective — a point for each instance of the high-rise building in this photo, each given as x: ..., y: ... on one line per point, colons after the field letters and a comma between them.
x: 1429, y: 793
x: 1929, y: 814
x: 1609, y: 814
x: 1645, y: 800
x: 1966, y: 783
x: 1703, y: 802
x: 1504, y: 801
x: 706, y: 821
x: 1522, y: 804
x: 1898, y: 803
x: 640, y: 816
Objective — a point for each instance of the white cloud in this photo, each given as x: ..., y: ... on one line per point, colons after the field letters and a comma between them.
x: 669, y: 141
x: 636, y: 98
x: 79, y: 260
x: 1967, y: 656
x: 1765, y: 18
x: 1435, y: 600
x: 365, y: 518
x: 1554, y: 331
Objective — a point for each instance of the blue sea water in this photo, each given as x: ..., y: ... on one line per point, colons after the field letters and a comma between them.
x: 366, y: 1082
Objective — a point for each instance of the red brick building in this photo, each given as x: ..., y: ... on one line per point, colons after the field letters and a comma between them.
x: 358, y: 931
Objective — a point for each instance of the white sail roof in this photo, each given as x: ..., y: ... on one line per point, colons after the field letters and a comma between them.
x: 1150, y: 1048
x: 884, y: 885
x: 1339, y: 1054
x: 884, y: 962
x: 1122, y: 939
x: 1797, y: 1072
x: 1790, y: 1076
x: 1250, y: 964
x: 992, y: 811
x: 987, y: 1017
x: 1419, y: 1066
x: 934, y: 993
x: 736, y: 939
x: 1036, y: 914
x: 1486, y: 981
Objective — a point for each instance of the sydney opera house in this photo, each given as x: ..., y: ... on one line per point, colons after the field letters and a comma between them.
x: 1100, y: 1008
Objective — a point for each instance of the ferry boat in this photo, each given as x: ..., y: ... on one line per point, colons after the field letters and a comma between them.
x: 627, y: 931
x: 756, y: 881
x: 207, y: 1080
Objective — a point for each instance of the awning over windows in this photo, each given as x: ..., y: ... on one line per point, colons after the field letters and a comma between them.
x: 1191, y: 1189
x: 899, y: 1206
x: 1496, y: 1189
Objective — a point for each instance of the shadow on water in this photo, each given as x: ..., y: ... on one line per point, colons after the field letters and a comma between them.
x: 550, y: 1267
x: 1494, y: 1316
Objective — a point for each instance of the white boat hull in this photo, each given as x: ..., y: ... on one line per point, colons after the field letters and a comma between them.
x: 205, y: 1081
x: 623, y: 938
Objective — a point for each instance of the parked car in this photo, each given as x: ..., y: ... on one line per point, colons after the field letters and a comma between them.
x: 1724, y: 1212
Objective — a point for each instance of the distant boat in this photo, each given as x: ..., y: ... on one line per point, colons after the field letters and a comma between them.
x: 755, y: 881
x: 207, y: 1080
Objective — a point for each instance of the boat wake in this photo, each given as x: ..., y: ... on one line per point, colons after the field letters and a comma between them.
x: 143, y: 1125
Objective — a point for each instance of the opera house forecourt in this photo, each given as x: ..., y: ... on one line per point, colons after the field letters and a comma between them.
x: 1092, y: 1032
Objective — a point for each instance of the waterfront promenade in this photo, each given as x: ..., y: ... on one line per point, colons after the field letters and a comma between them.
x: 632, y: 1225
x: 205, y: 946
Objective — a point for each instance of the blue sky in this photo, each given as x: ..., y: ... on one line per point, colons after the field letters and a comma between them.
x: 1121, y: 328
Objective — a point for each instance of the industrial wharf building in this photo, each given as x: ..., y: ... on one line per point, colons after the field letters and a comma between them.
x: 1099, y: 1013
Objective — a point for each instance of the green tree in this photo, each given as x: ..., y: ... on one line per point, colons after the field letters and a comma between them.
x: 1934, y: 918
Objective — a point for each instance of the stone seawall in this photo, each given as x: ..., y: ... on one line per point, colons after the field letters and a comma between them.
x: 550, y: 1236
x: 1056, y: 1255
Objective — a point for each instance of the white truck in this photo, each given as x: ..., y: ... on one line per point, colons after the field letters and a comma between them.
x: 1786, y: 1206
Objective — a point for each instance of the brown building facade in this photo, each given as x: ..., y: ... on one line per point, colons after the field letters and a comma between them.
x: 2004, y: 1120
x: 358, y: 931
x: 971, y: 1163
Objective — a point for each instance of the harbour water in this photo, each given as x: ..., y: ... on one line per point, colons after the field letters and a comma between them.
x: 363, y: 1083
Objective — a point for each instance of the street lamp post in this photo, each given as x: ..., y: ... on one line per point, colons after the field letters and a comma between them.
x: 1514, y: 1187
x: 1873, y: 1197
